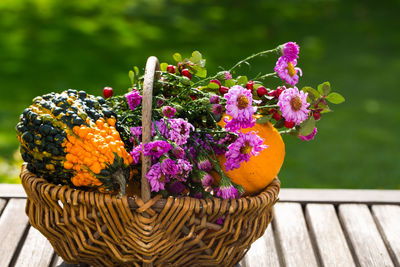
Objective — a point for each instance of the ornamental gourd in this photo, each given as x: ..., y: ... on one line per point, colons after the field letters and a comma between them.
x: 70, y: 138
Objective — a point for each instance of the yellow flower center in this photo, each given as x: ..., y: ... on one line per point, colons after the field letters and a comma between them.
x: 246, y: 149
x: 291, y: 69
x: 242, y: 102
x: 295, y: 103
x: 162, y: 178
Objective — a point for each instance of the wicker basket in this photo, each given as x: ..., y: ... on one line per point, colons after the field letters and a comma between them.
x: 102, y: 230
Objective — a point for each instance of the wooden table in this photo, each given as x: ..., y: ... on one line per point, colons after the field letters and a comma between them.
x: 310, y: 228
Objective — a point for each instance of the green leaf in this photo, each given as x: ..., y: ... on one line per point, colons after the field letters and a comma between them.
x: 163, y: 66
x: 312, y: 93
x: 213, y: 86
x: 177, y: 57
x: 335, y: 98
x: 264, y: 119
x: 200, y: 71
x: 184, y: 80
x: 307, y: 127
x: 242, y: 80
x: 197, y: 58
x: 131, y: 76
x: 324, y: 88
x: 229, y: 83
x: 325, y: 108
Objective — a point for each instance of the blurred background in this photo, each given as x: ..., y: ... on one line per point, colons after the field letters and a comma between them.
x: 52, y: 45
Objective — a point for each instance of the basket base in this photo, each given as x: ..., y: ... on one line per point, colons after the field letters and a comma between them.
x: 64, y: 264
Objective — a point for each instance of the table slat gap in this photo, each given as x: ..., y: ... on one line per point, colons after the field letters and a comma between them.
x: 293, y: 236
x: 387, y: 218
x: 13, y: 230
x: 325, y: 228
x: 312, y: 238
x: 3, y: 203
x: 36, y: 250
x: 366, y: 242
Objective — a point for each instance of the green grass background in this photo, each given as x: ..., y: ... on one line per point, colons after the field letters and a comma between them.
x: 48, y: 45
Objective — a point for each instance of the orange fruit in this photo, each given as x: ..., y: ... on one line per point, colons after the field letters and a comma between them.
x: 260, y: 170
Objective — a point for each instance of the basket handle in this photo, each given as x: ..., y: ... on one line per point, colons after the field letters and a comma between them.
x: 151, y: 72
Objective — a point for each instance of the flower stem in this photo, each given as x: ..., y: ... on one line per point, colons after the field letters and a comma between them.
x: 253, y: 56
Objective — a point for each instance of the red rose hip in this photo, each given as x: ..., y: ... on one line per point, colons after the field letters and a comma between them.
x: 261, y: 91
x: 186, y: 73
x: 223, y: 90
x: 250, y: 85
x: 289, y: 124
x: 317, y: 115
x: 107, y: 92
x: 217, y: 82
x: 171, y: 69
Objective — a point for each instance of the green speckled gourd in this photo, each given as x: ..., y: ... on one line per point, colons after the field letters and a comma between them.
x: 70, y: 138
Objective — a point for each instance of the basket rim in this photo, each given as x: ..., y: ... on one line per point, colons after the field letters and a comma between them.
x: 27, y: 178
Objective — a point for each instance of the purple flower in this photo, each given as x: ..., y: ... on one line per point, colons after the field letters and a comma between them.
x: 169, y: 167
x: 135, y: 153
x: 184, y: 168
x: 159, y: 102
x: 203, y: 163
x: 156, y: 148
x: 220, y: 221
x: 178, y: 152
x: 217, y: 109
x: 228, y: 75
x: 136, y: 132
x: 287, y: 70
x: 226, y: 189
x: 168, y: 111
x: 156, y: 179
x: 134, y: 99
x: 214, y: 99
x: 239, y: 106
x: 290, y: 51
x: 179, y: 131
x: 242, y: 149
x: 176, y: 187
x: 293, y: 105
x: 198, y: 195
x: 207, y: 180
x: 310, y: 136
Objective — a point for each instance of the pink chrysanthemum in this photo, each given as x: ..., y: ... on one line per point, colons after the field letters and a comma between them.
x: 134, y: 99
x: 156, y: 179
x: 135, y: 154
x: 287, y: 70
x: 247, y: 145
x: 293, y: 105
x: 227, y: 75
x: 290, y: 51
x: 156, y: 148
x: 168, y: 111
x: 169, y: 167
x: 179, y: 130
x: 310, y: 136
x: 239, y: 106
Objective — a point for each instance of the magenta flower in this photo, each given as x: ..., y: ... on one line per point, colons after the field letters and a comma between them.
x: 310, y: 136
x: 136, y: 132
x: 229, y: 192
x: 156, y: 148
x: 227, y: 75
x: 247, y: 145
x: 184, y: 168
x: 207, y: 180
x: 293, y: 105
x: 198, y: 195
x: 239, y: 106
x: 287, y: 70
x: 217, y: 109
x: 203, y: 163
x: 169, y: 167
x: 178, y: 152
x: 214, y: 99
x: 179, y: 131
x: 135, y: 153
x: 168, y: 111
x: 156, y: 179
x: 290, y: 51
x: 134, y: 99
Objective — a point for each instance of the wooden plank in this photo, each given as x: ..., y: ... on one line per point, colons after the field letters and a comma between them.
x: 292, y: 236
x: 36, y: 250
x: 2, y: 204
x: 366, y: 241
x: 387, y: 218
x: 328, y: 235
x: 13, y: 223
x: 340, y: 196
x: 263, y: 252
x: 12, y: 191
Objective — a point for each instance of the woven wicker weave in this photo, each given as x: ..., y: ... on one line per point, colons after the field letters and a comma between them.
x: 102, y: 230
